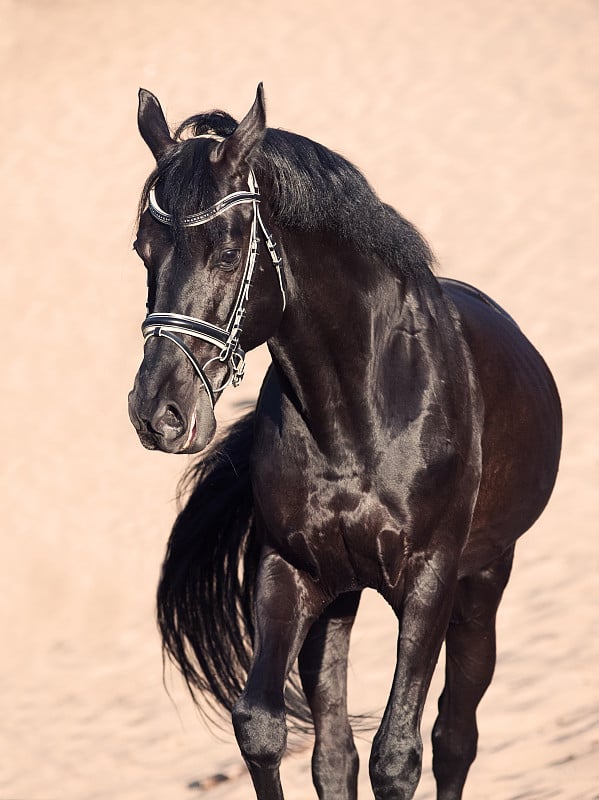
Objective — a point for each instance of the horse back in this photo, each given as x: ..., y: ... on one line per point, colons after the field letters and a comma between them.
x: 521, y: 438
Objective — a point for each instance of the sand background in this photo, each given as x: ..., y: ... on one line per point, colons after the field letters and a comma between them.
x: 479, y: 122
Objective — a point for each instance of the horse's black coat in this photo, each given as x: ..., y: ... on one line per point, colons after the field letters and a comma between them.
x: 406, y: 435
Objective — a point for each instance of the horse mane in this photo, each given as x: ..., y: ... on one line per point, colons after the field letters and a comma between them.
x: 309, y: 188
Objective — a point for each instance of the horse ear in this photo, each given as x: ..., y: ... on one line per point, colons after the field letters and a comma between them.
x: 237, y: 149
x: 152, y: 124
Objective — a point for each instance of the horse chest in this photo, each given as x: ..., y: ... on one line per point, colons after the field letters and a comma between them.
x: 352, y: 515
x: 329, y: 523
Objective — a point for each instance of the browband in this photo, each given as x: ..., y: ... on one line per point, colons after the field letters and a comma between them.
x: 202, y: 216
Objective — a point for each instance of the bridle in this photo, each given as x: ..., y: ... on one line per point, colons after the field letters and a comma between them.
x: 226, y: 339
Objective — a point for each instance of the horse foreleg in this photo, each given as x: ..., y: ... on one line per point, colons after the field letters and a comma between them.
x: 470, y: 662
x: 423, y: 608
x: 287, y: 603
x: 323, y: 670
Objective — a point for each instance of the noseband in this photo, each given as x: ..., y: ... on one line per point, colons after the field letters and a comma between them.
x: 226, y: 340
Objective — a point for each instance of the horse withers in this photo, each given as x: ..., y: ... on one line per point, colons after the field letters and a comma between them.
x: 406, y: 434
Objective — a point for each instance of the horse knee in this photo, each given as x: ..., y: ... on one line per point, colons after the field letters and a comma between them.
x: 261, y: 733
x: 395, y: 767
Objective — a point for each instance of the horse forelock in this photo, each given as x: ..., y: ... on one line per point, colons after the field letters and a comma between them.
x: 217, y: 122
x: 183, y: 178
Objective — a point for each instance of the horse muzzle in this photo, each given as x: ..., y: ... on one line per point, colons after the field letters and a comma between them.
x: 166, y: 425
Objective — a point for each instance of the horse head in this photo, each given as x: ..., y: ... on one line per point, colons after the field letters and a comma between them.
x: 198, y: 235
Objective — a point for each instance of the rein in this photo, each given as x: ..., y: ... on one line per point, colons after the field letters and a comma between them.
x: 226, y: 339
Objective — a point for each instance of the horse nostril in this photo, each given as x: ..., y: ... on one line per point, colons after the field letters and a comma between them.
x: 172, y: 417
x: 168, y: 421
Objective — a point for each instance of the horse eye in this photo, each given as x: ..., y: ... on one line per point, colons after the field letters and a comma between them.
x: 229, y: 258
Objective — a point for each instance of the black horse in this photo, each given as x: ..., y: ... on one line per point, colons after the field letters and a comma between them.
x: 406, y: 434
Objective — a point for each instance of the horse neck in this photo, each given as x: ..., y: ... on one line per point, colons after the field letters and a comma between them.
x: 339, y: 336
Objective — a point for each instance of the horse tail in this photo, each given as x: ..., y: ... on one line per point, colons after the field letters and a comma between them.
x: 206, y: 592
x: 206, y: 588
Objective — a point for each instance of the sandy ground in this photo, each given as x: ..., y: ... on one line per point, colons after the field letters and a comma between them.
x: 479, y: 122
